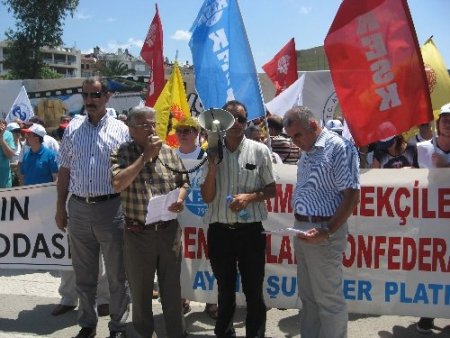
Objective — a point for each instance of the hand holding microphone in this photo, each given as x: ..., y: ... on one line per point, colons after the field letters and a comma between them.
x: 152, y: 148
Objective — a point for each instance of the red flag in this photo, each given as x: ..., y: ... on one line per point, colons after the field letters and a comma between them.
x: 152, y: 53
x: 377, y: 69
x: 282, y: 69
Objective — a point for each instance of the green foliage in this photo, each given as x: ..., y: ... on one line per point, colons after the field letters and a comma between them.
x: 39, y: 23
x: 47, y: 73
x: 115, y: 68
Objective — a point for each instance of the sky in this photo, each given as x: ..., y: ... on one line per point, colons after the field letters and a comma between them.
x: 269, y: 24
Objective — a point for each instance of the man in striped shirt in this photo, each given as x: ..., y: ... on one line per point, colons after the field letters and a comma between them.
x: 96, y: 220
x: 325, y: 195
x: 236, y: 190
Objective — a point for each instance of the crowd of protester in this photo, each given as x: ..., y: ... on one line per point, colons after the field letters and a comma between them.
x: 115, y: 249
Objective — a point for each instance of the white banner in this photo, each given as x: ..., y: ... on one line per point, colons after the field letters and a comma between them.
x: 397, y: 259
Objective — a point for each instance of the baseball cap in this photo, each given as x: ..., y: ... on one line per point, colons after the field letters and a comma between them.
x: 188, y: 121
x: 36, y: 129
x: 12, y: 126
x: 445, y: 109
x: 334, y: 125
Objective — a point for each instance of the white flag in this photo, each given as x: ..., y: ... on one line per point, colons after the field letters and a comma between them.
x: 288, y: 98
x: 21, y: 108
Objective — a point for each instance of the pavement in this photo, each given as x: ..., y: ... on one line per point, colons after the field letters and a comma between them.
x: 27, y: 297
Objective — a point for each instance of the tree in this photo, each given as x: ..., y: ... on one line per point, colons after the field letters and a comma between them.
x: 39, y: 23
x: 115, y: 68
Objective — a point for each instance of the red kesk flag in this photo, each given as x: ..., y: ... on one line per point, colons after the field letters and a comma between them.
x: 282, y: 69
x: 377, y: 69
x: 152, y: 53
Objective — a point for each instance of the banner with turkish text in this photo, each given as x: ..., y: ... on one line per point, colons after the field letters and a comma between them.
x: 282, y: 69
x: 397, y: 259
x: 377, y: 69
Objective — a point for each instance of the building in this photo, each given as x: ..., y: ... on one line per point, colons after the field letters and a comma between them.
x: 63, y: 60
x: 93, y: 62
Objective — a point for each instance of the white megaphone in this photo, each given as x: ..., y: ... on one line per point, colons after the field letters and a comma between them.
x: 215, y: 121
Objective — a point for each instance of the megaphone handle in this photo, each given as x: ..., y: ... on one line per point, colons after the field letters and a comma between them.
x: 220, y: 149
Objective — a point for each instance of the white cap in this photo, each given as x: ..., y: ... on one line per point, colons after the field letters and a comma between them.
x: 12, y: 126
x: 334, y: 125
x: 36, y: 129
x: 445, y: 109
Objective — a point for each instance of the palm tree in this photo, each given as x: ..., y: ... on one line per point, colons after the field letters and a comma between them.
x: 115, y: 68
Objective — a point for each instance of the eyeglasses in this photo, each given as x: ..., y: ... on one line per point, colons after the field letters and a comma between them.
x: 93, y: 95
x: 145, y: 126
x: 240, y: 119
x: 183, y: 131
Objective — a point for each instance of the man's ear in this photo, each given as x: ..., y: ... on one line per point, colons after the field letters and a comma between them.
x: 313, y: 124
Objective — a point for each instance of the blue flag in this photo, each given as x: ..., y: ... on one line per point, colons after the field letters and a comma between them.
x: 223, y: 61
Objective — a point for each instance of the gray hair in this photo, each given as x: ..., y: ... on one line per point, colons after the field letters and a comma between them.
x: 250, y: 130
x: 300, y: 114
x: 139, y: 111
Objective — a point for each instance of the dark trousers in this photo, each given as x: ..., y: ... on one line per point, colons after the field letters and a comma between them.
x: 243, y: 248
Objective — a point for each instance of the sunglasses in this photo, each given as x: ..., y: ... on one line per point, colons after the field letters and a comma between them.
x: 240, y: 119
x: 93, y: 95
x: 184, y: 131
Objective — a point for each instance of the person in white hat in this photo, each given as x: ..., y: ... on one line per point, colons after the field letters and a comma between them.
x: 39, y: 164
x: 435, y: 154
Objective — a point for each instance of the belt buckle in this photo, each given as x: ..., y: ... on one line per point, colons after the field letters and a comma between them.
x: 89, y: 200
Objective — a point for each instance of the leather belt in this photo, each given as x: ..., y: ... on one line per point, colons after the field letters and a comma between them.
x: 235, y: 226
x: 136, y: 226
x: 312, y: 219
x: 96, y: 199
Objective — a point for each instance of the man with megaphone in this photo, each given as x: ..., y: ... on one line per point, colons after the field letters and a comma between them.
x: 235, y: 189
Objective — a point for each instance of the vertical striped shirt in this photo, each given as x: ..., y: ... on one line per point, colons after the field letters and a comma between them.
x: 323, y: 173
x: 246, y: 170
x: 85, y: 151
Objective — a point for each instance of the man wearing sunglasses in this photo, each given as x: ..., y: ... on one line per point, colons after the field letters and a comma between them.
x: 236, y: 190
x: 96, y: 220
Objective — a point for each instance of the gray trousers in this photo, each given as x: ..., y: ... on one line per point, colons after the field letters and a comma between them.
x: 67, y: 287
x: 93, y: 228
x: 146, y: 252
x: 320, y: 279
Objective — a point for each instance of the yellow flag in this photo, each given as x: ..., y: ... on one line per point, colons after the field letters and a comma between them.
x: 437, y: 75
x: 171, y: 106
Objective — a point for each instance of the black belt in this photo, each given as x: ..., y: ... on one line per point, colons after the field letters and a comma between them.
x: 235, y: 226
x: 312, y: 219
x: 136, y: 226
x: 96, y: 199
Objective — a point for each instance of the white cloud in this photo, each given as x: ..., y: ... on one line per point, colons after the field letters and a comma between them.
x: 111, y: 19
x: 113, y: 45
x: 82, y: 16
x: 305, y: 10
x: 181, y: 35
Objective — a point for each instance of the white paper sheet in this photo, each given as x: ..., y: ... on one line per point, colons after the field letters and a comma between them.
x: 158, y: 205
x: 285, y: 232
